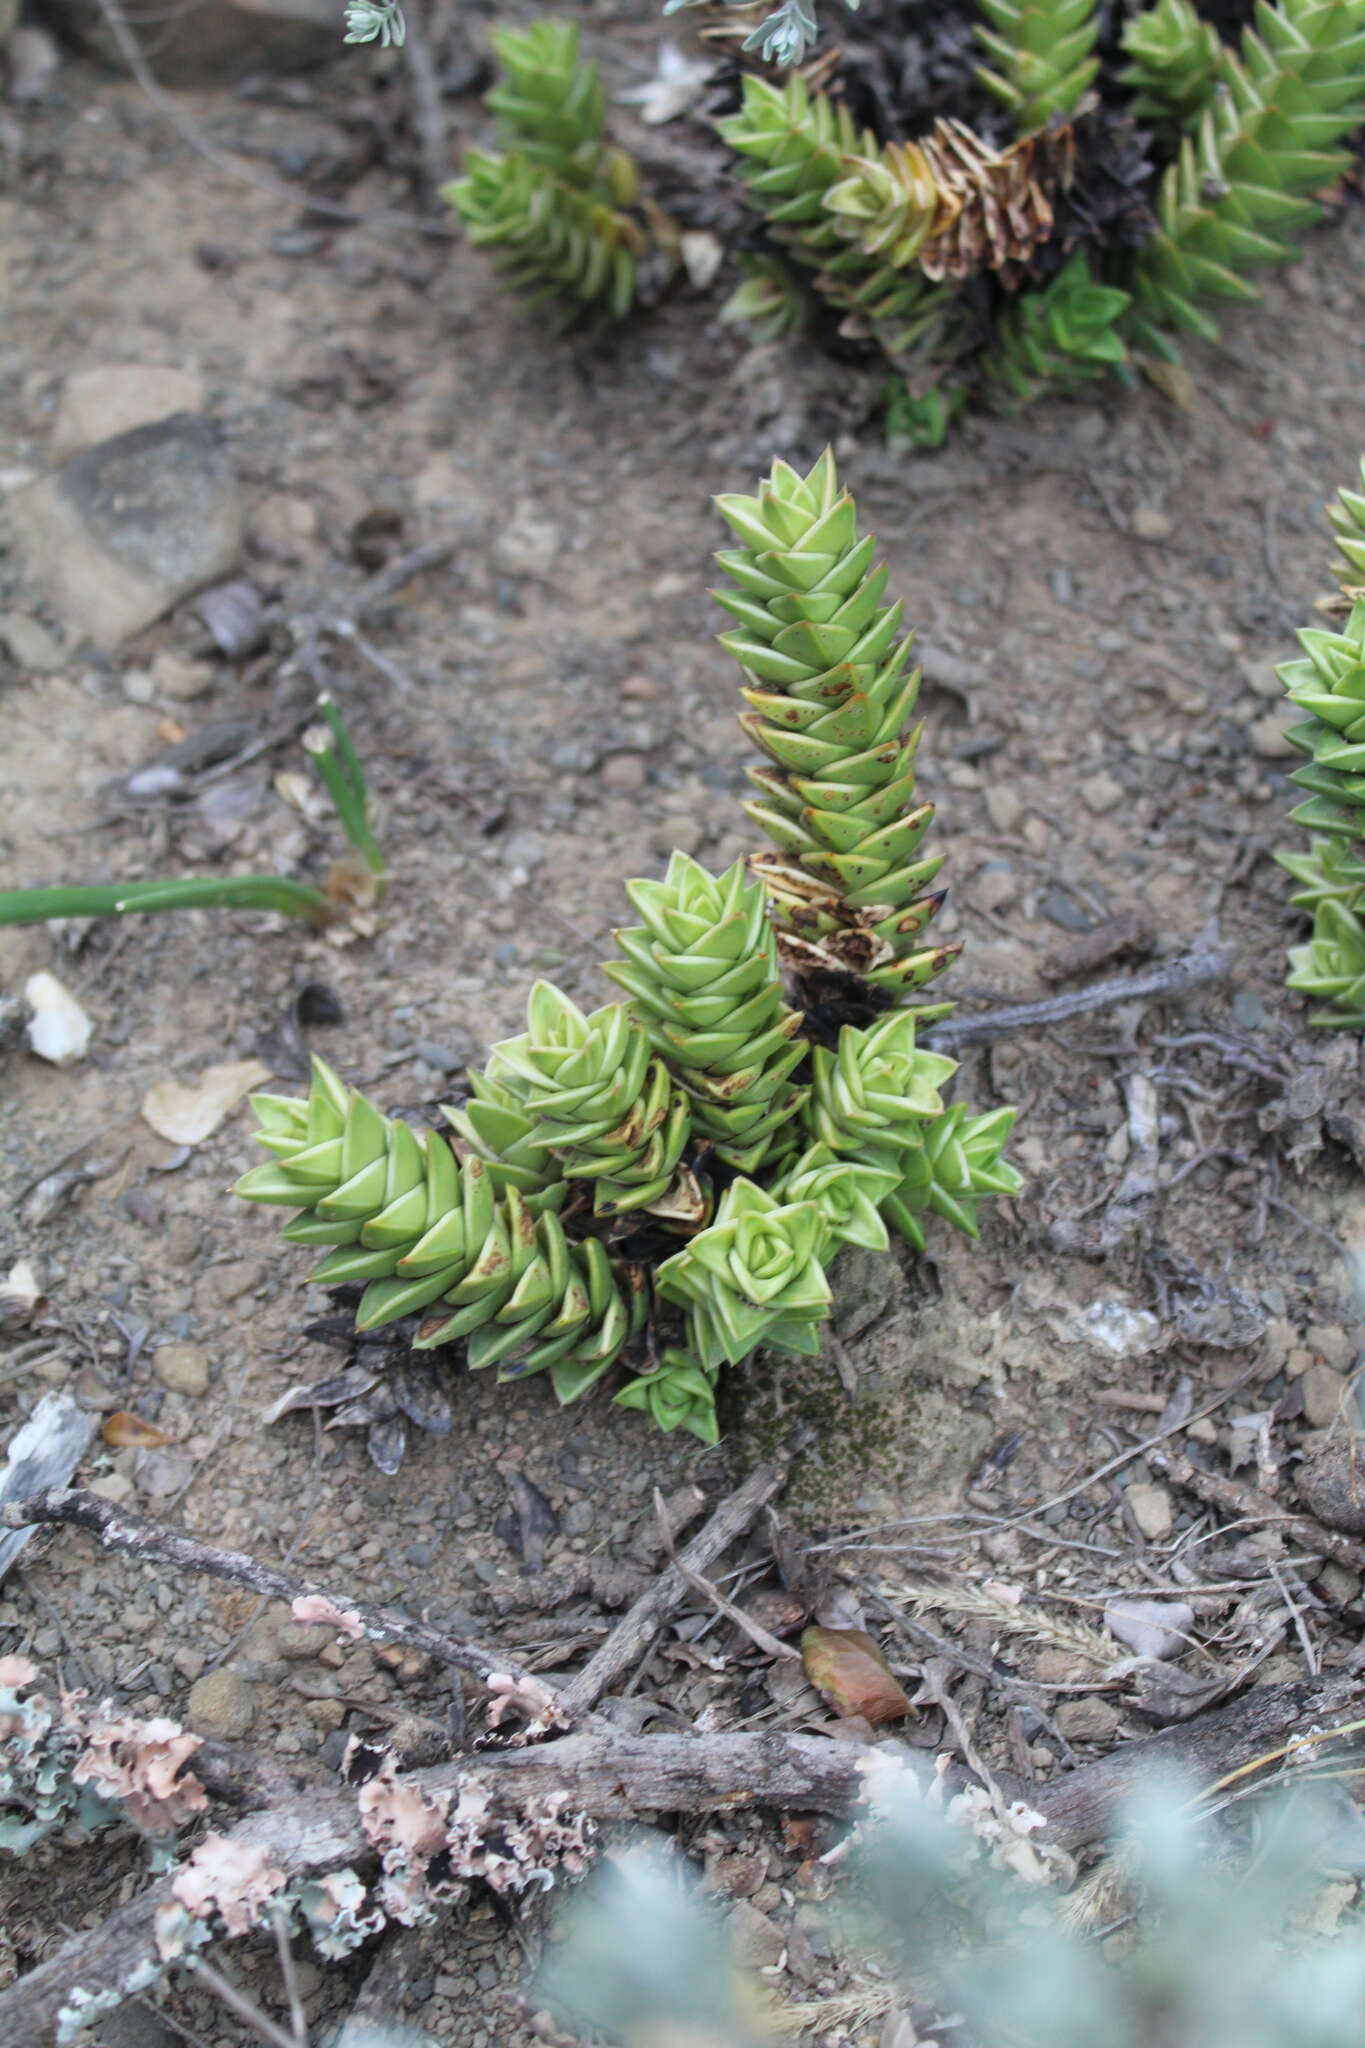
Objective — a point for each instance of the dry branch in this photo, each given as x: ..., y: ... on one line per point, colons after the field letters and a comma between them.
x: 138, y: 1536
x: 1245, y: 1503
x: 616, y: 1777
x: 1207, y: 960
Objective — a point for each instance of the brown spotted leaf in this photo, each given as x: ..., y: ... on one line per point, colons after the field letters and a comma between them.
x: 846, y: 1667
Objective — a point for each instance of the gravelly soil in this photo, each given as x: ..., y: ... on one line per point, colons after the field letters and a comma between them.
x: 1102, y: 590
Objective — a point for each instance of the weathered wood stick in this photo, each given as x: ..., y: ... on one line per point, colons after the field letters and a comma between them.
x: 140, y: 1537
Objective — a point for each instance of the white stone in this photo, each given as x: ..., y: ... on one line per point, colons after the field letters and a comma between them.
x: 59, y: 1029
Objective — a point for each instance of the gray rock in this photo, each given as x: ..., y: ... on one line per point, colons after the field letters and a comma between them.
x: 754, y: 1939
x: 113, y: 398
x: 220, y: 1703
x: 866, y: 1285
x: 121, y: 533
x: 218, y: 42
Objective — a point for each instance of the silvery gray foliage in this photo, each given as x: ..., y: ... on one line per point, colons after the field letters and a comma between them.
x: 1215, y: 1959
x: 782, y: 37
x: 369, y: 21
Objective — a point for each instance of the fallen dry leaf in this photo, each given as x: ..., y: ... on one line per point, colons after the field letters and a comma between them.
x: 186, y: 1116
x: 124, y: 1431
x: 846, y: 1667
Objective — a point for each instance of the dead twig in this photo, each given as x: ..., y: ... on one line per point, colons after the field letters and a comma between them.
x: 428, y: 114
x: 1207, y: 960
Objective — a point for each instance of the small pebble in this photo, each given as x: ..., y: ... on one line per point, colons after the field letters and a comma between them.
x: 1323, y: 1389
x: 1151, y: 523
x: 221, y: 1704
x: 184, y: 1368
x: 1087, y: 1720
x: 1003, y: 807
x: 1152, y: 1510
x: 625, y: 772
x: 1269, y: 739
x: 1101, y: 793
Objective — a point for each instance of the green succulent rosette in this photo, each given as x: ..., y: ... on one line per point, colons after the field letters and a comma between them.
x: 1243, y: 187
x: 1330, y: 967
x: 604, y: 1105
x: 829, y: 700
x: 848, y: 1194
x: 872, y: 1098
x: 1055, y: 339
x: 681, y: 1394
x: 1174, y: 63
x: 953, y: 1171
x: 752, y: 1277
x: 702, y: 971
x: 1043, y: 56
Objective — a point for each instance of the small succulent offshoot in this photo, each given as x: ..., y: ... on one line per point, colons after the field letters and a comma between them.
x: 662, y: 1185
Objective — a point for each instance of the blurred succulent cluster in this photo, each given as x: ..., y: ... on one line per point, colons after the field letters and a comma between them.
x: 1006, y: 270
x: 1084, y: 203
x: 662, y: 1184
x: 1216, y: 1953
x: 1327, y: 684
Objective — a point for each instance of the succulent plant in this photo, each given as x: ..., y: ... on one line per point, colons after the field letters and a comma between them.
x: 703, y: 973
x: 1054, y: 340
x: 828, y: 699
x: 661, y: 1183
x: 871, y: 1099
x: 555, y: 208
x: 1242, y: 187
x: 770, y: 299
x: 1174, y: 62
x: 1347, y: 514
x: 1043, y: 54
x: 796, y: 145
x: 751, y: 1277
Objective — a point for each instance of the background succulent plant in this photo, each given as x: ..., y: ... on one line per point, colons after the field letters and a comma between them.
x: 556, y: 207
x: 663, y: 1183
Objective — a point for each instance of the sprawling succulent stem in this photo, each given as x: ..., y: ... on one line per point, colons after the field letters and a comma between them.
x: 1042, y: 56
x: 796, y: 145
x: 1174, y: 63
x: 829, y: 700
x: 952, y: 1172
x: 703, y: 972
x: 1242, y: 188
x: 1328, y: 684
x: 400, y: 1211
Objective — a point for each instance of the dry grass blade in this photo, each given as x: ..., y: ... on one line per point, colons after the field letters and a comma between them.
x: 975, y: 1603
